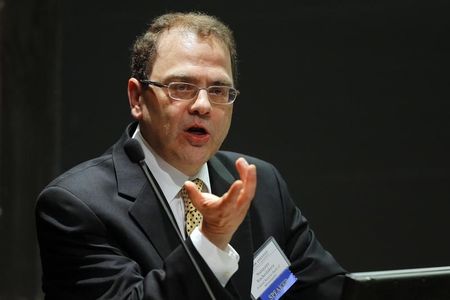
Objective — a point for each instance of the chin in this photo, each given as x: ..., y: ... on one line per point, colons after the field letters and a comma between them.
x: 197, y: 157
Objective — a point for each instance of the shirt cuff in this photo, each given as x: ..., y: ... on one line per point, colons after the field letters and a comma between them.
x: 223, y: 263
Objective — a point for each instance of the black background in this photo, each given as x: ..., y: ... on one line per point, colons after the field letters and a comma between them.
x: 349, y: 99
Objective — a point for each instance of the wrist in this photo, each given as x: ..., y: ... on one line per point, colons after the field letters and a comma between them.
x: 220, y: 240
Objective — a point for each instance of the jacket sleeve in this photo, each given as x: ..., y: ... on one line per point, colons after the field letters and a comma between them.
x: 80, y: 260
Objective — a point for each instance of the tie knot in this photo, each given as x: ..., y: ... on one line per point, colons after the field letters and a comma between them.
x: 187, y: 202
x: 199, y: 183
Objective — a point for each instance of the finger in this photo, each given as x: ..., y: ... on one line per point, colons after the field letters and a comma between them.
x: 242, y: 167
x: 194, y: 194
x: 248, y: 175
x: 250, y: 183
x: 233, y: 193
x: 249, y: 188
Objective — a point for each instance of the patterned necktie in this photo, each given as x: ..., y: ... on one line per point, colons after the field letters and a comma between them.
x: 192, y: 216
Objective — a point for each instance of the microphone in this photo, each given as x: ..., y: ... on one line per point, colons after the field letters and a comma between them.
x: 135, y: 153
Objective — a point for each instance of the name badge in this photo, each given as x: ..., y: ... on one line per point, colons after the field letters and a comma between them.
x: 271, y: 275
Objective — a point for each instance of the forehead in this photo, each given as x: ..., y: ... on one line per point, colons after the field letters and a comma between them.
x: 184, y: 51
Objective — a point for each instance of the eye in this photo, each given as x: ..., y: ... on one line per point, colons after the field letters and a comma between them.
x: 217, y: 90
x: 182, y: 87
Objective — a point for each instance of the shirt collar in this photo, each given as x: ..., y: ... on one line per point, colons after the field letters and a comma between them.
x: 169, y: 178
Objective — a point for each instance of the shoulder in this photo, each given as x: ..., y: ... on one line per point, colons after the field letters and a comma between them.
x: 98, y: 169
x: 83, y: 181
x: 228, y: 159
x: 87, y: 171
x: 79, y: 193
x: 229, y: 156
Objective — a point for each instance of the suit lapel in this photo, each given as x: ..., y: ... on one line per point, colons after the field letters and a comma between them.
x: 150, y: 216
x: 221, y: 180
x: 146, y: 209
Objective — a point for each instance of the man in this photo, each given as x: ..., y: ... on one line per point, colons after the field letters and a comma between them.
x: 104, y: 235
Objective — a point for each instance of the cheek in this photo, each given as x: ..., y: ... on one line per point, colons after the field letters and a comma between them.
x: 228, y: 116
x: 224, y: 124
x: 148, y: 109
x: 171, y: 119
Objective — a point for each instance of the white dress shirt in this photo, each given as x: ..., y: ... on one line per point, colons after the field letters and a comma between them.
x: 223, y: 263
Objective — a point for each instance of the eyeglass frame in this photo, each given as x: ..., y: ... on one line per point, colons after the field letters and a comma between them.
x: 162, y: 85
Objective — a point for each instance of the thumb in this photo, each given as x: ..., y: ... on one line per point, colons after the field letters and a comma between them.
x: 194, y: 194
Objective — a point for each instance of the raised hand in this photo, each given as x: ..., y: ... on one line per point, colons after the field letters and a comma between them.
x: 223, y: 215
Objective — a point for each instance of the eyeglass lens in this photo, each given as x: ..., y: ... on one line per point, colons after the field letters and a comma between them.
x: 187, y: 91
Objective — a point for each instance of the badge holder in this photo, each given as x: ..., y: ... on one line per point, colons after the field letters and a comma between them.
x: 271, y: 275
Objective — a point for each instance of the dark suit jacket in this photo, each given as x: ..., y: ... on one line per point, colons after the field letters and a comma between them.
x: 103, y: 235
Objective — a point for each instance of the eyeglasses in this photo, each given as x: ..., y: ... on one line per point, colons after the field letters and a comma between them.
x: 183, y: 91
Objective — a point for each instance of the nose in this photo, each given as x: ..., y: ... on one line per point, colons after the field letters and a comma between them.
x: 201, y: 105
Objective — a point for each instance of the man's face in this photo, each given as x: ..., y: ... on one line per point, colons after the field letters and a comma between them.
x: 186, y: 133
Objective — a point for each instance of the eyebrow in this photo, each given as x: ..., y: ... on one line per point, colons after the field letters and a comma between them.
x: 193, y: 80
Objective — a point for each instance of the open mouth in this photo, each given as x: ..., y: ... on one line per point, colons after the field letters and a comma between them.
x: 197, y: 130
x: 197, y: 135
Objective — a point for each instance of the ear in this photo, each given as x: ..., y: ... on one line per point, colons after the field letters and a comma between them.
x: 135, y: 98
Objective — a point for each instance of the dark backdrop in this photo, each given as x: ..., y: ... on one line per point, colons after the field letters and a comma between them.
x: 349, y: 99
